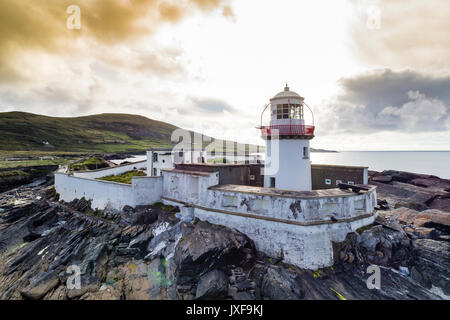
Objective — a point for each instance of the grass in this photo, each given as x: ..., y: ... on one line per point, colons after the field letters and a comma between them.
x: 88, y: 164
x: 31, y: 134
x: 124, y: 177
x: 31, y: 163
x: 11, y: 173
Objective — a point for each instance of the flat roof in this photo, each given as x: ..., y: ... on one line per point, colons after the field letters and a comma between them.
x: 193, y: 173
x: 338, y: 166
x: 171, y: 149
x: 325, y: 193
x: 216, y: 165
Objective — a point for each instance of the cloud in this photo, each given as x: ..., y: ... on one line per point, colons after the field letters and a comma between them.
x: 33, y: 26
x: 411, y: 33
x: 386, y: 100
x: 211, y: 106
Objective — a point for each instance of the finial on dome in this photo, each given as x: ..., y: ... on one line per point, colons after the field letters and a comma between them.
x: 287, y: 87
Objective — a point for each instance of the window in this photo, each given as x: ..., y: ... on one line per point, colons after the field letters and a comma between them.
x: 164, y: 161
x: 180, y: 154
x: 328, y: 181
x: 338, y: 181
x: 155, y: 157
x: 155, y: 172
x: 272, y: 182
x: 305, y: 153
x: 351, y: 183
x: 289, y: 111
x: 282, y: 111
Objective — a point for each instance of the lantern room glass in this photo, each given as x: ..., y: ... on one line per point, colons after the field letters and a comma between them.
x: 289, y: 111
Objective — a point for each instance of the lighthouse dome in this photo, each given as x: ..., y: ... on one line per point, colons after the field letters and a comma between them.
x: 287, y: 93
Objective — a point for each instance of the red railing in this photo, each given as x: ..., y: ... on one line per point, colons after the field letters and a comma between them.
x: 287, y: 130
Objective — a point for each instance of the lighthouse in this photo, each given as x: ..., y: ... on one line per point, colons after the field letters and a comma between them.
x: 288, y: 164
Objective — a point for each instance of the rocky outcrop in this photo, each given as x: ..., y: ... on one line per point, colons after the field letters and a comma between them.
x: 415, y: 191
x: 147, y: 253
x: 205, y: 247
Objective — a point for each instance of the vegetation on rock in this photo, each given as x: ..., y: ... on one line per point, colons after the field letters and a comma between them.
x: 124, y: 177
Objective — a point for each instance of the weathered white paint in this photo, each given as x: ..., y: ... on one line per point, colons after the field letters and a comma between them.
x: 114, y: 171
x: 308, y: 247
x: 288, y: 165
x: 142, y: 191
x: 191, y: 188
x: 146, y: 190
x: 294, y: 170
x: 299, y: 228
x: 165, y: 161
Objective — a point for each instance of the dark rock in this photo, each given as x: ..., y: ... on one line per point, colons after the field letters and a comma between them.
x: 129, y: 252
x: 212, y: 285
x: 411, y: 205
x: 279, y: 284
x: 401, y: 176
x: 142, y: 240
x: 382, y: 204
x: 128, y: 210
x: 243, y: 295
x: 205, y: 247
x: 382, y: 179
x: 30, y: 237
x: 145, y: 217
x: 40, y: 285
x: 81, y: 205
x: 163, y: 244
x: 432, y: 262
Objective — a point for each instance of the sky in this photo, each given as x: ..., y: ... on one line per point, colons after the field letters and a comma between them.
x: 375, y: 73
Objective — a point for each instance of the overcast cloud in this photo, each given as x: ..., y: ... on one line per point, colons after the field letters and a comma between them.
x: 389, y: 100
x: 212, y: 65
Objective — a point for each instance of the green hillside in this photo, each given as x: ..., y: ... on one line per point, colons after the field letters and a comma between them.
x: 23, y: 132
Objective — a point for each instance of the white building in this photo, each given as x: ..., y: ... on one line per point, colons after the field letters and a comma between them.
x: 288, y: 165
x: 159, y: 159
x: 285, y: 218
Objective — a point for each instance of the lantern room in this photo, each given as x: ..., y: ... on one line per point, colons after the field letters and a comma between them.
x: 287, y: 116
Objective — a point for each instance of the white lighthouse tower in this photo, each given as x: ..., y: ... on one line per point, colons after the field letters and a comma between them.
x: 287, y: 166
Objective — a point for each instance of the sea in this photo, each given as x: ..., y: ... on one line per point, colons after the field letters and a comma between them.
x: 427, y: 162
x: 435, y: 163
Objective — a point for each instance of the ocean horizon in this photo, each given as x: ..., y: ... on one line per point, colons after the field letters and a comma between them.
x: 435, y: 163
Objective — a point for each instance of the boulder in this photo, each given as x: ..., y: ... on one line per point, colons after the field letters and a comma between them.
x: 145, y: 217
x: 279, y: 284
x: 428, y: 218
x: 384, y: 246
x: 142, y: 240
x: 205, y: 247
x: 212, y: 285
x: 40, y: 285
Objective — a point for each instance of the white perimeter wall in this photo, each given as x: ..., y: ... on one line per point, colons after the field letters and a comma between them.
x: 142, y: 191
x: 94, y: 174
